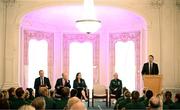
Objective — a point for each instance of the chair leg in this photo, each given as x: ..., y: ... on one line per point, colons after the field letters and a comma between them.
x: 109, y: 101
x: 88, y: 101
x: 92, y: 102
x: 106, y: 101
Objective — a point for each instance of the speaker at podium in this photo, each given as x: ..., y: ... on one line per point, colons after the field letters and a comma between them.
x: 153, y: 82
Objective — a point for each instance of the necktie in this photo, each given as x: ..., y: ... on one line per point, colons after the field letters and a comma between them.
x: 150, y: 68
x: 42, y: 81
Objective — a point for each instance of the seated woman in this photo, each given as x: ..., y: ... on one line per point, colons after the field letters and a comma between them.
x: 80, y: 85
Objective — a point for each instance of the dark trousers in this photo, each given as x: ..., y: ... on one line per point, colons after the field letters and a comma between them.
x: 117, y: 93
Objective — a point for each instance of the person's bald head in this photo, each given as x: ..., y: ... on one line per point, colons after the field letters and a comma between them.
x: 115, y: 75
x: 155, y: 103
x: 75, y: 103
x: 65, y: 76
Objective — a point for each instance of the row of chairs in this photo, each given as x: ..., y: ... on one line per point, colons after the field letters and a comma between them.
x: 100, y: 92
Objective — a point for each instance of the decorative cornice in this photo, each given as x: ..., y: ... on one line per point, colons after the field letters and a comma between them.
x: 9, y: 2
x: 156, y: 3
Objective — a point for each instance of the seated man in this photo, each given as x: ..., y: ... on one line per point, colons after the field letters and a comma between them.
x: 116, y: 86
x: 63, y: 82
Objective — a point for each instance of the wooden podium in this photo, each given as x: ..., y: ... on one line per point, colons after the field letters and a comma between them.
x: 153, y: 82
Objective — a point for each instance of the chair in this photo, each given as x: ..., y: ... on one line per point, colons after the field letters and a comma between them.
x: 99, y: 92
x: 111, y: 96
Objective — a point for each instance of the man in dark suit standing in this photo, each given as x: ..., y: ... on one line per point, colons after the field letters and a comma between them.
x: 41, y: 82
x: 150, y: 68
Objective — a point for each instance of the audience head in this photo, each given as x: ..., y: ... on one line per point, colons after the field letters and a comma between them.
x: 177, y: 97
x: 73, y: 93
x: 4, y: 104
x: 127, y: 94
x: 144, y: 91
x: 26, y: 94
x: 78, y: 75
x: 51, y: 93
x: 19, y: 92
x: 41, y: 73
x: 115, y: 75
x: 135, y: 95
x: 1, y: 95
x: 75, y: 103
x: 39, y: 103
x: 65, y: 91
x: 124, y: 89
x: 149, y: 94
x: 154, y: 103
x: 151, y: 58
x: 168, y: 95
x: 43, y: 91
x: 6, y: 94
x: 11, y: 92
x: 26, y: 107
x: 65, y: 76
x: 31, y: 92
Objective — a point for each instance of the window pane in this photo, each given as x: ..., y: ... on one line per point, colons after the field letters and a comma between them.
x: 125, y: 63
x: 81, y: 60
x: 37, y: 56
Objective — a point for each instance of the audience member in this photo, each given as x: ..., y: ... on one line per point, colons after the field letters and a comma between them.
x: 4, y: 103
x: 31, y: 94
x: 11, y: 92
x: 142, y: 98
x: 123, y: 102
x: 45, y: 93
x: 15, y: 104
x: 168, y: 100
x: 39, y: 103
x: 75, y: 103
x: 61, y: 103
x: 176, y: 105
x: 155, y: 103
x: 26, y: 107
x: 148, y: 96
x: 73, y: 93
x: 135, y: 104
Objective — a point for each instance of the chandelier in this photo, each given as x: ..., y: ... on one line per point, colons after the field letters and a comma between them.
x: 88, y: 23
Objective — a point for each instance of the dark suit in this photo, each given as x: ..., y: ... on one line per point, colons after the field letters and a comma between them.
x: 37, y: 84
x: 59, y: 83
x: 116, y: 87
x: 79, y: 86
x: 154, y: 69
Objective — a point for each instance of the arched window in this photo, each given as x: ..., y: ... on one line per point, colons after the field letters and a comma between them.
x: 81, y: 60
x: 125, y: 63
x: 125, y: 58
x: 38, y: 55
